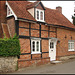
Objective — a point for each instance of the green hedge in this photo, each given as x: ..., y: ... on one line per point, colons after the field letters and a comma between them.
x: 9, y: 47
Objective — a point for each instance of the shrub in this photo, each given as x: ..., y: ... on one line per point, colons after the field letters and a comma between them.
x: 9, y: 46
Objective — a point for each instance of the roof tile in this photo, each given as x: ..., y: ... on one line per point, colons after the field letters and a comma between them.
x: 51, y: 16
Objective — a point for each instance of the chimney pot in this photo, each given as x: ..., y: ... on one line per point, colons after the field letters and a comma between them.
x: 59, y: 9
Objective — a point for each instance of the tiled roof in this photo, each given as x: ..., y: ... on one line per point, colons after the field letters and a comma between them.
x: 31, y: 5
x: 19, y: 8
x: 52, y: 16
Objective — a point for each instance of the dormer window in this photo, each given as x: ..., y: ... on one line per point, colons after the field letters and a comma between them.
x: 37, y: 10
x: 39, y: 15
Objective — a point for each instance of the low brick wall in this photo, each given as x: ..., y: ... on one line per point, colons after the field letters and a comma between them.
x: 22, y: 63
x: 8, y: 64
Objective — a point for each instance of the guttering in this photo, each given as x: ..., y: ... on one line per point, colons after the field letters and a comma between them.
x: 31, y: 21
x: 61, y: 26
x: 27, y: 20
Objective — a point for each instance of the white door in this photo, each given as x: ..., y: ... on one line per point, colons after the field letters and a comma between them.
x: 52, y: 49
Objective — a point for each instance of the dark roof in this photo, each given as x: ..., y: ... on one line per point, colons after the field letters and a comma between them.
x: 31, y: 5
x: 35, y: 4
x: 52, y: 16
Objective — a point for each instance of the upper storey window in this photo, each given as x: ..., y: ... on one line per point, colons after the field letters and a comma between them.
x: 40, y: 15
x: 37, y: 14
x: 9, y: 13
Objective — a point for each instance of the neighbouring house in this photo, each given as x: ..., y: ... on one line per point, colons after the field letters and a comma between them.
x: 45, y: 34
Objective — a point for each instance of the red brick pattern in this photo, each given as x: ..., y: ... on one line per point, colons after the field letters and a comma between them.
x: 45, y: 55
x: 35, y: 33
x: 25, y: 45
x: 11, y: 26
x: 44, y: 34
x: 44, y: 27
x: 24, y: 32
x: 2, y: 16
x: 52, y: 28
x: 52, y: 34
x: 26, y: 57
x: 23, y: 24
x: 23, y: 63
x: 45, y: 45
x: 35, y: 56
x: 5, y: 30
x: 62, y: 47
x: 35, y: 26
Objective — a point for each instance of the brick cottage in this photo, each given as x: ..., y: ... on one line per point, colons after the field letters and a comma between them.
x: 45, y: 34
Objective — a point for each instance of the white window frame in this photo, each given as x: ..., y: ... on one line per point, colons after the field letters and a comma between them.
x: 39, y: 15
x: 11, y: 11
x: 71, y: 46
x: 35, y: 52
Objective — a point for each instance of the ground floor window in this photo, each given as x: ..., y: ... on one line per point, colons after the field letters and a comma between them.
x: 70, y: 45
x: 35, y: 46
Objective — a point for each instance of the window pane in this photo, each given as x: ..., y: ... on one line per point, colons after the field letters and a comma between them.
x: 41, y: 15
x: 71, y: 45
x: 37, y: 46
x: 51, y: 45
x: 37, y: 14
x: 33, y: 46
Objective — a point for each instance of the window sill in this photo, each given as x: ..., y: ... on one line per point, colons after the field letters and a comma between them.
x: 71, y: 50
x: 36, y: 53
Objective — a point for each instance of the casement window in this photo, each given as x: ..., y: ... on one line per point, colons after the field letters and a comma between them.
x: 39, y: 15
x: 9, y: 13
x: 35, y: 46
x: 70, y: 45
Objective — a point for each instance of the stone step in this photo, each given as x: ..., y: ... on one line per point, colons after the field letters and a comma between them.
x: 56, y: 62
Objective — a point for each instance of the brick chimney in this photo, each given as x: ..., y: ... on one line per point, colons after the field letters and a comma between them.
x: 59, y: 9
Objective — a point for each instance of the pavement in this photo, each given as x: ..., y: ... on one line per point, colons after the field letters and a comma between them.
x: 66, y: 67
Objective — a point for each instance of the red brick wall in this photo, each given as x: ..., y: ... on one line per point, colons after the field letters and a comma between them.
x: 5, y: 30
x: 11, y: 26
x: 25, y: 60
x: 3, y: 12
x: 62, y: 47
x: 27, y: 63
x: 52, y: 34
x: 25, y: 45
x: 2, y: 16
